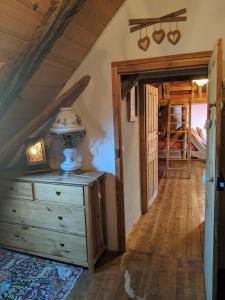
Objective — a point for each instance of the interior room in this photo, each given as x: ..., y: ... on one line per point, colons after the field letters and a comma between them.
x: 182, y: 107
x: 182, y: 111
x: 112, y: 172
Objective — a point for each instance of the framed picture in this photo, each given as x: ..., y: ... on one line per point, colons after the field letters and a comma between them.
x: 132, y: 105
x: 35, y: 156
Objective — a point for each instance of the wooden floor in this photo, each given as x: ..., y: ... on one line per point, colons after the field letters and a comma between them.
x: 164, y: 255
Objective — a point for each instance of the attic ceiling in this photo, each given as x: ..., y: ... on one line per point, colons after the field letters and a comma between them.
x: 18, y: 21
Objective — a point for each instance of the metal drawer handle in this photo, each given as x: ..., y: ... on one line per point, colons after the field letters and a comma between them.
x: 60, y: 217
x: 62, y: 245
x: 58, y: 193
x: 25, y: 227
x: 14, y: 210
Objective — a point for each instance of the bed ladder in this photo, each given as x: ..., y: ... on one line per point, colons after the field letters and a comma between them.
x: 179, y: 166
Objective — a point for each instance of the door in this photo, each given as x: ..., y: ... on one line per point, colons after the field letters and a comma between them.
x: 212, y: 171
x: 151, y: 125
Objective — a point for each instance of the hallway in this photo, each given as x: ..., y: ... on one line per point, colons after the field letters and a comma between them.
x: 164, y: 250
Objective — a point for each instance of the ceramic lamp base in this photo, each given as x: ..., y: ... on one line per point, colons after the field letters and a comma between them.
x: 70, y: 165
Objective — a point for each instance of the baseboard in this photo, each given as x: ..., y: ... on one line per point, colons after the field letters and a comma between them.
x: 151, y: 201
x: 220, y: 284
x: 135, y: 222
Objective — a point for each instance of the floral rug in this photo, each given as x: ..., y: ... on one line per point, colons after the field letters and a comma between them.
x: 24, y: 277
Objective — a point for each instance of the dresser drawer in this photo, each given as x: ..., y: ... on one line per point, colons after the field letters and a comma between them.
x: 16, y: 189
x: 44, y: 214
x: 59, y: 193
x: 43, y: 241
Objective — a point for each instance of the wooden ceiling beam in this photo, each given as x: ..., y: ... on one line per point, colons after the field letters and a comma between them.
x: 50, y: 29
x: 128, y: 84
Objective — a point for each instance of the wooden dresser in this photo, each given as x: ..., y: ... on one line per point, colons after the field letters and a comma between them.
x: 62, y: 218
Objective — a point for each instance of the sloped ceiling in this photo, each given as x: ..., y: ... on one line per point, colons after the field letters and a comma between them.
x: 18, y: 21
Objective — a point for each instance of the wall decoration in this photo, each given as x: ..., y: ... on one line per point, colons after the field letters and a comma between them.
x: 35, y: 156
x: 143, y: 43
x: 158, y: 36
x: 173, y: 36
x: 132, y: 104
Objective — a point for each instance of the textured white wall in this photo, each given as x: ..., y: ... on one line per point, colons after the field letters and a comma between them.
x: 206, y: 22
x: 131, y: 165
x: 198, y: 115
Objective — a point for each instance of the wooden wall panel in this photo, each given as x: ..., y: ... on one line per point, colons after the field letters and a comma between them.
x: 40, y: 6
x: 77, y: 33
x: 10, y: 48
x: 117, y: 3
x: 86, y: 22
x: 38, y: 94
x: 19, y: 12
x: 49, y: 76
x: 68, y: 53
x: 14, y: 28
x: 105, y: 9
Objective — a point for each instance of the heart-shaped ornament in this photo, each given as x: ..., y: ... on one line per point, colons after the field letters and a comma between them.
x: 174, y: 36
x: 158, y: 36
x: 143, y: 43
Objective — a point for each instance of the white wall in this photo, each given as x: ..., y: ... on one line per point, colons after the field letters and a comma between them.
x: 131, y: 165
x: 206, y: 22
x: 198, y: 115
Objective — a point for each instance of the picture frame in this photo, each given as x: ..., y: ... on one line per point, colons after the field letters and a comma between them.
x: 35, y: 160
x: 132, y: 105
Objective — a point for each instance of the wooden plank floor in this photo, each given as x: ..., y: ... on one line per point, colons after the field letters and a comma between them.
x: 164, y: 250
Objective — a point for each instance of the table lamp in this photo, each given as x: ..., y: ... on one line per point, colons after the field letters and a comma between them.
x: 68, y: 125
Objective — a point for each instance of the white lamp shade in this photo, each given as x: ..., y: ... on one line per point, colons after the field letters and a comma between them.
x: 66, y: 121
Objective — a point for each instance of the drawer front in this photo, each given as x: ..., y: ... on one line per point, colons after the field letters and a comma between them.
x: 16, y: 189
x: 43, y: 241
x: 59, y: 193
x: 44, y: 214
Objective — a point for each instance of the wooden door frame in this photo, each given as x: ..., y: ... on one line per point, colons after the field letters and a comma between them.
x: 197, y: 59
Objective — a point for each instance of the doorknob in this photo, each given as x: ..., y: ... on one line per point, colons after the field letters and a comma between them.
x: 208, y: 124
x: 212, y: 105
x: 206, y: 180
x: 210, y: 179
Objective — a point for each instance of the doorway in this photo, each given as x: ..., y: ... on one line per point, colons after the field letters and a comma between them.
x: 212, y: 60
x: 154, y: 67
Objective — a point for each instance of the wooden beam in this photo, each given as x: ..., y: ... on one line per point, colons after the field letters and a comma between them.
x: 159, y: 20
x: 150, y: 20
x: 128, y: 84
x: 65, y: 100
x: 44, y: 38
x: 116, y: 87
x: 171, y: 62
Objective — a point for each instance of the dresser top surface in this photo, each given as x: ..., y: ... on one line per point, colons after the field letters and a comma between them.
x: 86, y: 178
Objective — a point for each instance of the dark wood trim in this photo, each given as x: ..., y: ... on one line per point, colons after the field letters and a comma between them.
x: 219, y: 78
x: 161, y: 65
x: 143, y: 147
x: 139, y: 66
x: 128, y: 84
x: 219, y: 98
x: 44, y: 38
x: 116, y: 87
x: 164, y: 59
